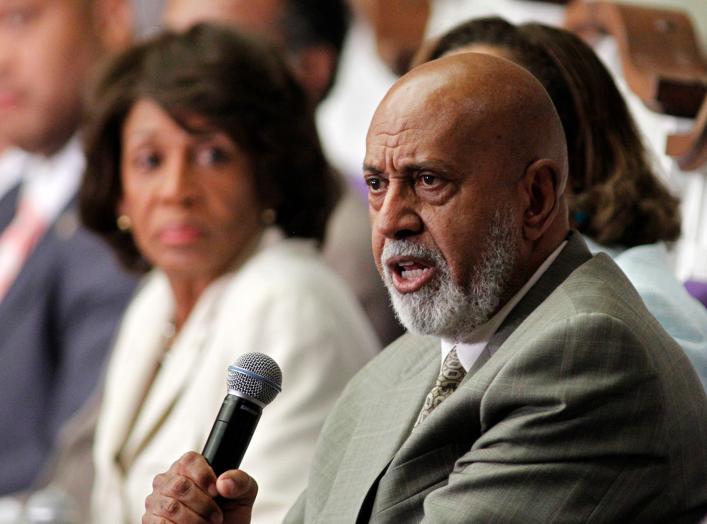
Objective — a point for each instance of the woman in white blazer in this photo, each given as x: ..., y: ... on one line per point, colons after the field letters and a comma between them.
x: 205, y: 171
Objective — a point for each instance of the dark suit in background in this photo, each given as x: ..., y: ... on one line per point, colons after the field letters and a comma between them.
x: 56, y: 325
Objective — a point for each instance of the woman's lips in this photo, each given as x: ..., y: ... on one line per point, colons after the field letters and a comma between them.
x: 8, y: 100
x: 180, y: 235
x: 410, y: 275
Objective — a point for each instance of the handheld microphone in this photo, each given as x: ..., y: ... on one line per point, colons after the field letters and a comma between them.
x: 253, y: 381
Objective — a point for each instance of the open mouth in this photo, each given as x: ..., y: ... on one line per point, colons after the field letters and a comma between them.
x: 409, y: 274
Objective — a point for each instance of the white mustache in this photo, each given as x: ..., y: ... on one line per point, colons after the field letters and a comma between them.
x: 406, y: 248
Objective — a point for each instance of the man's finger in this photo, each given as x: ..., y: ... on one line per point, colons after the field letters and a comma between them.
x: 182, y: 491
x: 238, y: 486
x: 237, y: 491
x: 160, y: 508
x: 194, y: 466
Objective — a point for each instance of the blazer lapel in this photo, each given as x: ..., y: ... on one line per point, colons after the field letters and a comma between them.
x: 173, y: 376
x: 160, y: 387
x: 570, y: 258
x: 384, y: 426
x: 134, y: 361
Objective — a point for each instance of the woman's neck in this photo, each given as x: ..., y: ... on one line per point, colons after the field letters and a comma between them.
x: 188, y: 288
x: 186, y: 294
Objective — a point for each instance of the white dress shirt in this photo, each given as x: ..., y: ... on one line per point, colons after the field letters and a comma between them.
x: 51, y: 182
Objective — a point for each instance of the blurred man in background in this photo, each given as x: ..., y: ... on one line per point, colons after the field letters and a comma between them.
x: 61, y: 292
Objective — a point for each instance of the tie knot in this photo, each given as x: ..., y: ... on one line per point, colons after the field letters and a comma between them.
x: 450, y: 376
x: 452, y: 368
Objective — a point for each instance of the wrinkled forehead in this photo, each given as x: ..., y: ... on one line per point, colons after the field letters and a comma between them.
x: 471, y: 110
x: 435, y: 109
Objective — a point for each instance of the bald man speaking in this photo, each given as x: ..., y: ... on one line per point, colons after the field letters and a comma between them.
x: 533, y: 385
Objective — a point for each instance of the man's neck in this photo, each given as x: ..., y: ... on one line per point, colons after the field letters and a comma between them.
x: 55, y: 140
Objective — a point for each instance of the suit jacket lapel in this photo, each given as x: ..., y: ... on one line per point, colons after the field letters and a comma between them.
x: 384, y: 425
x: 41, y: 263
x: 570, y: 258
x: 8, y: 206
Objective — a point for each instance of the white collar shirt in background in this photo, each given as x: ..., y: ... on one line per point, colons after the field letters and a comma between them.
x: 48, y: 184
x: 12, y: 165
x: 51, y: 182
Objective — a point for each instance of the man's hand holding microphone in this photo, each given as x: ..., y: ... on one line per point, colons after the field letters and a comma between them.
x: 208, y: 487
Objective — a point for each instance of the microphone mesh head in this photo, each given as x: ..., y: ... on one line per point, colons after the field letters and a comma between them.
x: 255, y: 376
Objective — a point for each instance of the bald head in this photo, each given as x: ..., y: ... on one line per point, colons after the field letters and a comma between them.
x: 466, y: 161
x: 491, y: 101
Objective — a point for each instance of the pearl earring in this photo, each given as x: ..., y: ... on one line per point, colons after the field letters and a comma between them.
x: 124, y: 223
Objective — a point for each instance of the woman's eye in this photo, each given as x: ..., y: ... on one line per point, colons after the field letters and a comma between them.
x: 16, y: 18
x: 147, y: 161
x: 210, y: 156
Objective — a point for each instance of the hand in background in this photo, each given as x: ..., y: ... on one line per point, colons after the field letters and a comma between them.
x: 185, y: 495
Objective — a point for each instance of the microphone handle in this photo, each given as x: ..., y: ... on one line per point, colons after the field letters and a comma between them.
x: 231, y: 433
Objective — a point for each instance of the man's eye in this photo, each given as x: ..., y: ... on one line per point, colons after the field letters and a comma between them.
x: 428, y: 180
x: 374, y: 183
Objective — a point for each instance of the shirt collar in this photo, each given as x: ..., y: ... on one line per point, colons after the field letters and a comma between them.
x: 12, y: 166
x: 49, y: 183
x: 469, y: 351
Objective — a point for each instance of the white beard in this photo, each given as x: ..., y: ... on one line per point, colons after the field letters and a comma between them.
x: 443, y: 308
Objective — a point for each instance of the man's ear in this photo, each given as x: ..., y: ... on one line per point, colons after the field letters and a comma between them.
x: 314, y: 68
x: 114, y: 21
x: 542, y: 186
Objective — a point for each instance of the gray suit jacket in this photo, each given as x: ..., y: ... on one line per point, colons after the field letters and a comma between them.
x: 582, y: 409
x: 56, y: 325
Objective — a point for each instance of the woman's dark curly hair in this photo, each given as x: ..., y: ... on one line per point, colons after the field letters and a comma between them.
x: 617, y: 197
x: 241, y: 87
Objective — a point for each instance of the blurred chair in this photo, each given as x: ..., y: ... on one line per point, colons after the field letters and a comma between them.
x: 659, y: 52
x: 690, y: 148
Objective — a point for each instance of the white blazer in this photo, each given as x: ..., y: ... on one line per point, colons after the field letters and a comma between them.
x: 283, y: 302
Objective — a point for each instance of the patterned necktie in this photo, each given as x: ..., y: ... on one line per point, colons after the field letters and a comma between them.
x: 449, y: 378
